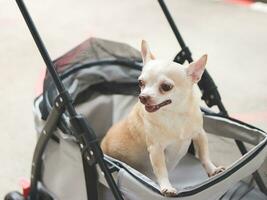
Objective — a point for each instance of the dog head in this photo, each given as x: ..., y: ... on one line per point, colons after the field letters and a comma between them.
x: 166, y: 85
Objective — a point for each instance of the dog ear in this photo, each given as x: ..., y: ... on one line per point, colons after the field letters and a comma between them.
x: 196, y: 69
x: 145, y: 52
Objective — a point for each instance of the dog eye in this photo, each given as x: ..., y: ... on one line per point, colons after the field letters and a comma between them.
x: 141, y: 83
x: 166, y: 87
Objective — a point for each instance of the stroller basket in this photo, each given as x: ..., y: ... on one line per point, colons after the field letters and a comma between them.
x: 101, y: 77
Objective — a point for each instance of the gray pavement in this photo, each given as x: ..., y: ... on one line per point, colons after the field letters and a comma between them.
x: 235, y: 38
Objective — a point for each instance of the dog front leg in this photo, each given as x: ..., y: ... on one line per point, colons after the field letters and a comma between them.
x: 201, y: 143
x: 157, y: 158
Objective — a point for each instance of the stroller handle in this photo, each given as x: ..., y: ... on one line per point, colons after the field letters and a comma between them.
x: 46, y: 57
x: 210, y: 94
x: 84, y: 133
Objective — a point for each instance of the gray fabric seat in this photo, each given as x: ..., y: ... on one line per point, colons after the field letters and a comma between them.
x: 188, y: 172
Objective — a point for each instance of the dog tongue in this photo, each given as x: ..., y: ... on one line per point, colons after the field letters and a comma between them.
x: 151, y: 108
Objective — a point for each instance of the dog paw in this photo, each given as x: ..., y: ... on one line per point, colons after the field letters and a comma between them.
x: 169, y: 192
x: 216, y: 171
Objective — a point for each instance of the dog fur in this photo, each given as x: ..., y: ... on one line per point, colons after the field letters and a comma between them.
x: 161, y: 126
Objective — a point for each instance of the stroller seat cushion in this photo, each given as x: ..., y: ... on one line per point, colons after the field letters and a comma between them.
x: 188, y: 173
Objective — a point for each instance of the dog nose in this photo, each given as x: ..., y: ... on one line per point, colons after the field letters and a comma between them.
x: 144, y: 99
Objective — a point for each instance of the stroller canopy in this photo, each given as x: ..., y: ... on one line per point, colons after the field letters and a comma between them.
x: 86, y: 70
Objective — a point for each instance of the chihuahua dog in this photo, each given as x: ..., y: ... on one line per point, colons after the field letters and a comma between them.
x: 163, y: 123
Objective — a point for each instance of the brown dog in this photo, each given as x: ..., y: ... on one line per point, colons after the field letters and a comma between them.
x: 162, y: 124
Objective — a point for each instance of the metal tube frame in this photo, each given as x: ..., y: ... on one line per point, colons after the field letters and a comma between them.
x: 46, y: 134
x: 207, y: 86
x: 85, y: 135
x: 210, y: 94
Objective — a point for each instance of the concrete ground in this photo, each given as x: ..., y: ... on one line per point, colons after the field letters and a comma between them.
x: 235, y: 38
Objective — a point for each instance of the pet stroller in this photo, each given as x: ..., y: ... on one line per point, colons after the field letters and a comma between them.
x: 101, y: 78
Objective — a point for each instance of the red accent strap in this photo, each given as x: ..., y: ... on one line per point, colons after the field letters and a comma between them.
x: 25, y: 184
x: 241, y: 2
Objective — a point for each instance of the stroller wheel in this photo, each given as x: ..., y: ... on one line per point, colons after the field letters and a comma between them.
x: 14, y: 196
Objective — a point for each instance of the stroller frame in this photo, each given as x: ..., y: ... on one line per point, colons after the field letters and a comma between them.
x: 89, y: 146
